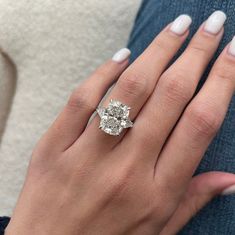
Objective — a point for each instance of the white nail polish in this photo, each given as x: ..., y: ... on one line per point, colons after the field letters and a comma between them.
x: 121, y: 55
x: 228, y: 191
x: 215, y: 22
x: 181, y: 24
x: 231, y: 49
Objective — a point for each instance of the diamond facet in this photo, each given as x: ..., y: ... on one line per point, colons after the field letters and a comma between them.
x: 118, y: 109
x: 114, y: 118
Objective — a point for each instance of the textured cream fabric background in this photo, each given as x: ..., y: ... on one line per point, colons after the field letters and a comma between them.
x: 48, y: 47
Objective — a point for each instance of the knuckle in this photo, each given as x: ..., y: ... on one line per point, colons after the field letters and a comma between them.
x: 204, y: 119
x: 166, y: 43
x: 163, y: 44
x: 118, y: 185
x: 225, y: 73
x: 102, y: 72
x: 176, y: 87
x: 80, y: 99
x: 198, y: 48
x: 133, y: 84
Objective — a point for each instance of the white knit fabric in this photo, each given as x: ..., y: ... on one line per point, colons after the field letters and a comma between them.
x: 49, y: 46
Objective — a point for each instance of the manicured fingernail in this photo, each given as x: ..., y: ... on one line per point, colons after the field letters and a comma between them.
x: 228, y: 191
x: 215, y: 22
x: 231, y: 49
x: 181, y: 24
x: 121, y: 55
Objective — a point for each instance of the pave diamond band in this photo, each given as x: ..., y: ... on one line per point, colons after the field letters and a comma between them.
x: 114, y: 118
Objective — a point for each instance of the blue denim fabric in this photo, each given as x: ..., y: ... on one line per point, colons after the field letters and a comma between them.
x: 217, y: 218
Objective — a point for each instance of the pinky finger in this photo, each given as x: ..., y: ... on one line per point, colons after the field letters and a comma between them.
x: 73, y: 119
x: 201, y: 190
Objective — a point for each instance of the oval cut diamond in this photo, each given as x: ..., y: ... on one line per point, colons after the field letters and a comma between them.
x: 114, y: 118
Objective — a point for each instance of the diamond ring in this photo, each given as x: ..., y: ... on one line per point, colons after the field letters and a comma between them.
x: 114, y: 118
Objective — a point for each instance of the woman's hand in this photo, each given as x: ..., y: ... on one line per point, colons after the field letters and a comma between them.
x: 84, y: 181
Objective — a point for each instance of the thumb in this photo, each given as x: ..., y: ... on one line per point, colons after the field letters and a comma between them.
x: 200, y: 191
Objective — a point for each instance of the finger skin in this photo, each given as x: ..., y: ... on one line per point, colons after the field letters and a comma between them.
x: 173, y: 92
x: 198, y: 125
x: 201, y: 190
x: 71, y: 122
x: 137, y: 82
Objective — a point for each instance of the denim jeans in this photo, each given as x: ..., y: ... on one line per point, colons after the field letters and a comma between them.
x: 218, y: 217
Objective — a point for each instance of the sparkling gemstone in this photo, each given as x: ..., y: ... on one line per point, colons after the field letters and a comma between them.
x: 111, y: 125
x: 126, y: 123
x: 114, y: 118
x: 117, y: 109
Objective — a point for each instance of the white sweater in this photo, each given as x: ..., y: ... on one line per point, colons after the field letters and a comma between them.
x: 49, y: 47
